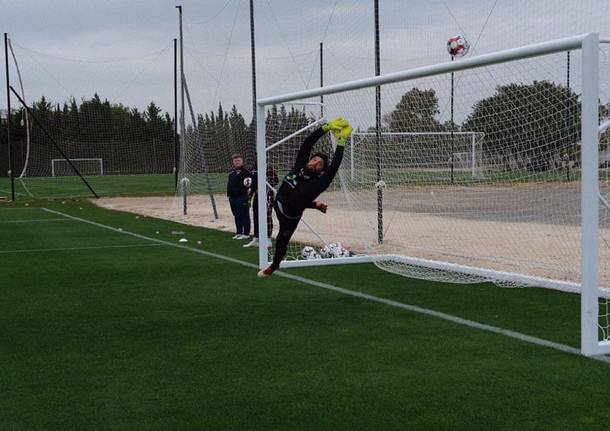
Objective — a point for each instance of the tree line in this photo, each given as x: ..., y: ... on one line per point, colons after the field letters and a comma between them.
x: 525, y: 126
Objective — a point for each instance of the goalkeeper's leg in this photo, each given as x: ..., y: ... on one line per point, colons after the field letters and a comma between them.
x: 287, y: 228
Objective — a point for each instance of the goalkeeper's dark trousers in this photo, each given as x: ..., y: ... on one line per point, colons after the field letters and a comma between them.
x: 287, y: 227
x: 269, y: 214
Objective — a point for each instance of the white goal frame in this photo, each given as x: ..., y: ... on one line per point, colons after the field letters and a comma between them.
x: 589, y: 44
x: 82, y: 159
x: 473, y: 144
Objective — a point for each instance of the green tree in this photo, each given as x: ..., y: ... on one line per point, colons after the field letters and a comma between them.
x: 415, y: 112
x: 528, y: 125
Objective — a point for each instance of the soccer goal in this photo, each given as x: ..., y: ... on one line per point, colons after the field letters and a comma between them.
x: 86, y: 166
x: 519, y: 221
x: 420, y: 152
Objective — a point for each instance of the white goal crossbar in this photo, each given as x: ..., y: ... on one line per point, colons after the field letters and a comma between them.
x: 589, y: 46
x: 82, y: 159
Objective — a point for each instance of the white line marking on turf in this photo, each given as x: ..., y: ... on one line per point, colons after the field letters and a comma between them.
x: 8, y: 192
x: 413, y: 308
x: 34, y: 220
x: 98, y: 247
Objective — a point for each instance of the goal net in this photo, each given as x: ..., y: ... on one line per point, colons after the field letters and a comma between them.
x: 408, y: 199
x: 120, y: 141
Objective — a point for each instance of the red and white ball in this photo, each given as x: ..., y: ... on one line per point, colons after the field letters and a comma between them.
x: 458, y: 46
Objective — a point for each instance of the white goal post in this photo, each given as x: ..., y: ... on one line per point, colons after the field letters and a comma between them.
x: 592, y: 296
x: 95, y: 166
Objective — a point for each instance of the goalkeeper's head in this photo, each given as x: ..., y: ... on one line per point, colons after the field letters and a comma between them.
x: 318, y: 162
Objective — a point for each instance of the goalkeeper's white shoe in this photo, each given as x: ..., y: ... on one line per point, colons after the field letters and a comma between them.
x: 265, y: 273
x: 238, y: 236
x: 253, y: 243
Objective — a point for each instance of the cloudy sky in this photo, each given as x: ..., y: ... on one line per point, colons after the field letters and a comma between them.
x: 123, y: 49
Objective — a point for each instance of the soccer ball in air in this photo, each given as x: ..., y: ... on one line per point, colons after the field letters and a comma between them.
x: 457, y: 46
x: 309, y: 253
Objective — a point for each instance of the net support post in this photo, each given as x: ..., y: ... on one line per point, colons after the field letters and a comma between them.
x: 589, y: 201
x: 8, y: 119
x: 261, y: 195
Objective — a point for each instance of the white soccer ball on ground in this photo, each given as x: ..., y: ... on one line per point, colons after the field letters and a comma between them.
x: 334, y: 250
x: 309, y: 253
x: 458, y: 46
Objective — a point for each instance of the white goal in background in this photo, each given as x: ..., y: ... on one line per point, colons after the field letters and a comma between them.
x: 525, y: 224
x: 86, y: 166
x: 422, y: 151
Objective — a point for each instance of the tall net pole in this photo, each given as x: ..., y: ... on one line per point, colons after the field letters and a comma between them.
x: 182, y: 124
x: 253, y: 61
x: 378, y: 130
x: 8, y: 118
x: 321, y: 78
x: 451, y: 125
x: 176, y: 142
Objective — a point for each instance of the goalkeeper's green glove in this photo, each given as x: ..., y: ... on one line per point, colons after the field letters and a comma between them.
x: 343, y: 134
x: 335, y: 125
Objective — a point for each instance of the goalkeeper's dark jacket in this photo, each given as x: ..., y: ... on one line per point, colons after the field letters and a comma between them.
x: 235, y: 185
x: 302, y: 186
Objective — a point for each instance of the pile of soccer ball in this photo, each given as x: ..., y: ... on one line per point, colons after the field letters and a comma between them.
x: 329, y: 251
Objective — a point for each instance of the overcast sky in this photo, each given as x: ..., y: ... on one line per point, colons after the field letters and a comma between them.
x: 123, y: 49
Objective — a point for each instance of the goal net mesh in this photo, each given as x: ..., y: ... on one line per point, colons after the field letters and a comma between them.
x: 411, y: 201
x: 93, y: 122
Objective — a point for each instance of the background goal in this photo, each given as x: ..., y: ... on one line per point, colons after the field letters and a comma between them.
x: 418, y: 152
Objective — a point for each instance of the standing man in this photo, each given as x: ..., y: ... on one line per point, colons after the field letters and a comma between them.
x: 272, y: 180
x: 239, y: 182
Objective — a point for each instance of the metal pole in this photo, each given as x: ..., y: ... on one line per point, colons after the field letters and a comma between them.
x: 253, y: 63
x: 568, y: 117
x: 378, y: 129
x: 451, y: 124
x: 176, y: 142
x: 182, y: 124
x: 321, y: 78
x: 199, y: 139
x: 8, y: 119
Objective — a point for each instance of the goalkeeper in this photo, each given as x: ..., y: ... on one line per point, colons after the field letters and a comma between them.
x: 309, y: 177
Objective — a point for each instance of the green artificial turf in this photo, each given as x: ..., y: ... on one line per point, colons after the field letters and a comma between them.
x: 116, y: 332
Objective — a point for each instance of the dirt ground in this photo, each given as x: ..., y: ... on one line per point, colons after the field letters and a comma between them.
x: 530, y: 230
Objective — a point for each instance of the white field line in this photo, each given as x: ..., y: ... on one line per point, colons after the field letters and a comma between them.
x: 93, y: 247
x: 34, y: 220
x: 8, y: 192
x: 413, y: 308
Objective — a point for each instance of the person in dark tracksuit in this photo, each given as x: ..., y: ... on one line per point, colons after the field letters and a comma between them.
x: 309, y: 177
x: 240, y: 180
x: 272, y: 180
